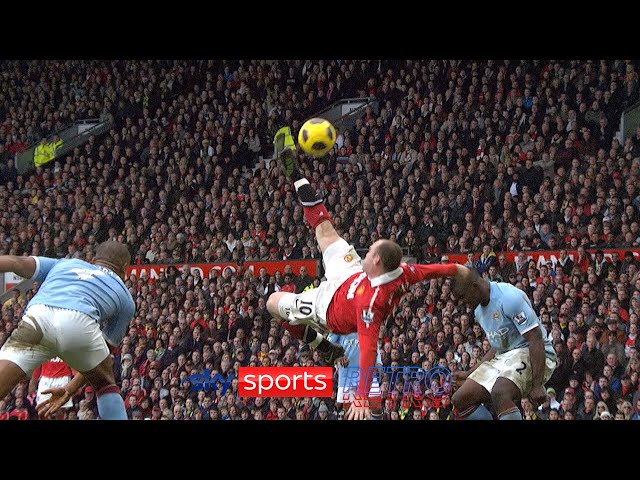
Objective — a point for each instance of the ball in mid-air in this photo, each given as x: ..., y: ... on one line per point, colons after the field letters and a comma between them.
x: 317, y: 137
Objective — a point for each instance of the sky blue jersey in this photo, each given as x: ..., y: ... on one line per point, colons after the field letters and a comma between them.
x: 78, y: 285
x: 507, y: 317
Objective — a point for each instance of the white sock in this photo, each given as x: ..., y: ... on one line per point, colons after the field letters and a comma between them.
x: 301, y: 182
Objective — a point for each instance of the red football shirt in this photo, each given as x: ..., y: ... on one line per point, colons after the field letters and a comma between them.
x: 361, y: 305
x: 54, y: 368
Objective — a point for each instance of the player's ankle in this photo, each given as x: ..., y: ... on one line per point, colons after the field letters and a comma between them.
x: 306, y: 193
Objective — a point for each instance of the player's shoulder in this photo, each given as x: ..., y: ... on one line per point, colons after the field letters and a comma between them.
x: 505, y: 287
x: 73, y: 262
x: 507, y: 292
x: 54, y: 263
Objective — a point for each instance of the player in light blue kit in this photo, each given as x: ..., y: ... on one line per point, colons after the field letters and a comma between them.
x: 521, y: 358
x: 78, y: 308
x: 346, y: 390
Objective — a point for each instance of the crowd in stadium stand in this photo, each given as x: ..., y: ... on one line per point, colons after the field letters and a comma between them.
x: 472, y: 157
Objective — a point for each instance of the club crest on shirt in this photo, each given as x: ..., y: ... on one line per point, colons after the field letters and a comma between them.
x: 496, y: 316
x: 520, y: 318
x: 367, y: 317
x: 348, y: 258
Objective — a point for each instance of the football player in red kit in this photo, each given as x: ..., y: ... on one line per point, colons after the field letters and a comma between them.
x: 357, y: 294
x: 51, y: 374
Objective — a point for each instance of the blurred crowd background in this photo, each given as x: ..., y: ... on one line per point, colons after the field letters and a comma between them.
x: 492, y: 160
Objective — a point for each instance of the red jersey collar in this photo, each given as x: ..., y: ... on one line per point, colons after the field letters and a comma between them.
x: 386, y: 277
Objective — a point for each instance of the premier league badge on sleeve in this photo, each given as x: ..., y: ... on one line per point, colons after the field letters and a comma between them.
x: 520, y: 318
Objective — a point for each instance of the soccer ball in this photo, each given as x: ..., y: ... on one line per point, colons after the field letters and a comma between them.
x: 317, y: 137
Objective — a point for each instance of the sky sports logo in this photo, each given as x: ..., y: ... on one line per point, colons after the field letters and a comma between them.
x: 285, y: 381
x: 269, y: 382
x: 411, y: 386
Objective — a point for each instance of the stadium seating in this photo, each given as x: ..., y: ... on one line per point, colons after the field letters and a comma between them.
x: 475, y: 160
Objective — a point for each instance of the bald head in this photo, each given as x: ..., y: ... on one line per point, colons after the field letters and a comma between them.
x: 390, y: 254
x: 113, y: 255
x: 470, y: 288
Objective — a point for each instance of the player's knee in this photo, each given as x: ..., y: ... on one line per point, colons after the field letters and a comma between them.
x: 279, y: 304
x: 102, y: 374
x: 272, y: 304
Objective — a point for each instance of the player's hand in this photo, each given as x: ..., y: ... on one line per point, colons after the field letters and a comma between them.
x: 342, y: 362
x: 358, y: 413
x: 459, y: 377
x: 59, y: 396
x: 537, y: 396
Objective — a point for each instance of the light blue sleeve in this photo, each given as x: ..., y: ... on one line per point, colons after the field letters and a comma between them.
x: 43, y: 267
x: 115, y: 330
x: 517, y: 308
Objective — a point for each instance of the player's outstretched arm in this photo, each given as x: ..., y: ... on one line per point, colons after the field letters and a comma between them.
x: 368, y: 326
x: 415, y: 273
x: 22, y: 266
x: 315, y: 212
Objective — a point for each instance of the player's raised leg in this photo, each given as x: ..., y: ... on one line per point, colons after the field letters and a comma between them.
x: 296, y: 313
x: 278, y: 304
x: 314, y: 209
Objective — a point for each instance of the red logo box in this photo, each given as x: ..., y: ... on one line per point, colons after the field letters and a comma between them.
x: 285, y: 381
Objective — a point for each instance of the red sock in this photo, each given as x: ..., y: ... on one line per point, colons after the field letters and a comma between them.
x: 108, y: 389
x: 317, y: 214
